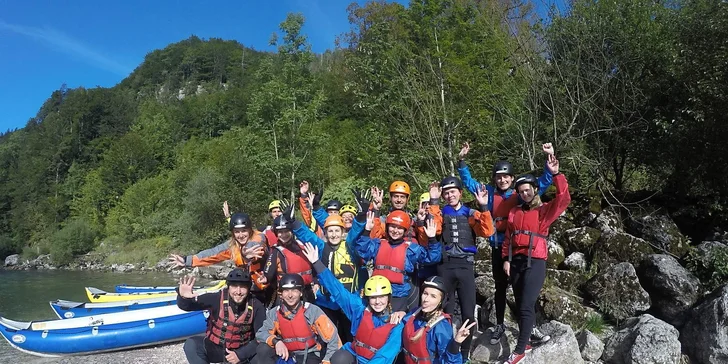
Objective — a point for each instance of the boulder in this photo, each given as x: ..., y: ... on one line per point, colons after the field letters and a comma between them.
x: 12, y: 260
x: 672, y: 288
x: 661, y: 231
x: 556, y: 254
x: 557, y: 304
x: 484, y: 287
x: 706, y: 250
x: 484, y: 352
x: 576, y: 261
x: 590, y: 346
x: 562, y: 348
x: 559, y: 228
x: 608, y: 221
x: 620, y: 247
x: 705, y: 333
x: 581, y: 239
x: 565, y: 280
x: 643, y: 339
x: 617, y: 292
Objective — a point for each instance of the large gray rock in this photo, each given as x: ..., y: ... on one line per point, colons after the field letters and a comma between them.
x: 620, y: 247
x: 484, y: 287
x: 608, y: 221
x: 576, y: 261
x: 564, y: 279
x: 581, y: 239
x: 555, y: 254
x: 484, y: 352
x: 590, y: 346
x: 12, y: 260
x: 705, y: 333
x: 661, y: 231
x: 672, y: 288
x: 644, y: 340
x: 557, y: 304
x: 617, y: 292
x: 562, y: 348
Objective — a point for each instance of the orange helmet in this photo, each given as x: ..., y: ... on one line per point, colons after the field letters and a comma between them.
x: 334, y: 220
x: 399, y: 218
x: 399, y: 187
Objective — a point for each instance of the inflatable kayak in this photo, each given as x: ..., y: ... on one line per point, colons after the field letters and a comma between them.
x: 102, y: 333
x: 96, y: 295
x: 124, y: 288
x: 69, y: 309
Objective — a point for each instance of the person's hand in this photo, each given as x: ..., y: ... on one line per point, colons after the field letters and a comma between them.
x: 482, y: 195
x: 421, y: 214
x: 435, y: 190
x: 377, y: 197
x: 370, y: 221
x: 282, y: 350
x: 226, y: 209
x: 396, y: 317
x: 553, y: 164
x: 263, y: 279
x: 463, y: 332
x: 254, y: 252
x: 185, y: 286
x: 231, y: 357
x: 303, y: 188
x: 362, y: 202
x: 177, y: 260
x: 548, y: 148
x: 507, y: 268
x: 311, y: 252
x: 315, y: 288
x: 316, y: 199
x: 430, y: 228
x: 464, y: 151
x: 288, y: 214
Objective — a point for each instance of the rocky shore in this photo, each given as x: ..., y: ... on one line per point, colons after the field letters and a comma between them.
x: 620, y: 288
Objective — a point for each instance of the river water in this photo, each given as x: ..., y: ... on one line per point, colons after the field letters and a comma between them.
x: 24, y: 296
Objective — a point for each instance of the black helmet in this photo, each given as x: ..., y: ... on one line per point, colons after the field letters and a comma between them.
x: 526, y: 178
x: 451, y: 182
x: 240, y: 220
x: 239, y: 275
x: 333, y: 205
x: 503, y: 167
x: 282, y: 223
x: 290, y: 280
x: 437, y: 283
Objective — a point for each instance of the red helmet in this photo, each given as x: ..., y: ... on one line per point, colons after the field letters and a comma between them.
x: 399, y: 218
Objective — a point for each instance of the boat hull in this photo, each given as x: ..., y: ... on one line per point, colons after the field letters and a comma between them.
x: 68, y: 309
x: 96, y: 295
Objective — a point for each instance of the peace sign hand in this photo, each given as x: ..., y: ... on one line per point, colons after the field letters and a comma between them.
x: 463, y: 332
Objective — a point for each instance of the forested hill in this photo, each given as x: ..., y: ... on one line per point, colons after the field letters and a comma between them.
x: 632, y: 93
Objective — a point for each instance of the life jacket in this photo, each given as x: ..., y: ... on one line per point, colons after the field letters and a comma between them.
x: 270, y: 237
x: 296, y: 333
x: 226, y: 330
x: 340, y: 263
x: 390, y: 261
x: 501, y: 208
x: 369, y: 339
x: 409, y: 235
x: 416, y: 351
x: 296, y: 262
x: 456, y: 231
x: 525, y: 233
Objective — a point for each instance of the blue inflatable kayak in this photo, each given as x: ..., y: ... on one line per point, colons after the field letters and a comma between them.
x: 69, y: 309
x: 103, y: 333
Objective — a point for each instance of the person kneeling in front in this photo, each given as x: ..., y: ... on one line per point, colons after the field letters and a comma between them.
x: 235, y: 316
x: 296, y: 331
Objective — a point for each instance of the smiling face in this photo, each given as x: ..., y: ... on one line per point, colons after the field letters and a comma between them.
x: 503, y: 181
x: 395, y: 232
x: 291, y: 296
x: 237, y: 291
x: 285, y: 236
x: 398, y: 200
x: 348, y: 219
x: 431, y: 299
x: 452, y: 196
x: 241, y: 235
x: 334, y: 234
x: 526, y: 192
x: 378, y: 303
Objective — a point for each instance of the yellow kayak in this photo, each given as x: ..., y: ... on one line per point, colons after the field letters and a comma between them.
x: 96, y: 295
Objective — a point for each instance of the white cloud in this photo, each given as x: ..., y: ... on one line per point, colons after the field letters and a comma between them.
x: 71, y: 46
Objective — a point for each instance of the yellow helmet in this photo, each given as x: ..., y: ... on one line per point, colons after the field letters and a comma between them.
x: 377, y: 286
x: 274, y: 204
x: 348, y: 208
x: 425, y: 197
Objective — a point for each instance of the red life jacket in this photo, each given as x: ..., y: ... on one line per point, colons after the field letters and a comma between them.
x: 225, y: 330
x: 526, y: 237
x: 271, y: 237
x: 390, y: 261
x: 297, y: 263
x: 368, y: 339
x: 416, y: 351
x: 501, y: 208
x: 296, y: 333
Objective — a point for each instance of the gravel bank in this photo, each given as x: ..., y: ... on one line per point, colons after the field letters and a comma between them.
x: 165, y: 354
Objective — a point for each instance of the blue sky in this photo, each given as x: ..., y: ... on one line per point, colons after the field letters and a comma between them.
x: 44, y: 44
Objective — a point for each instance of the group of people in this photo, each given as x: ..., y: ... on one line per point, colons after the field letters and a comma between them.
x: 383, y: 283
